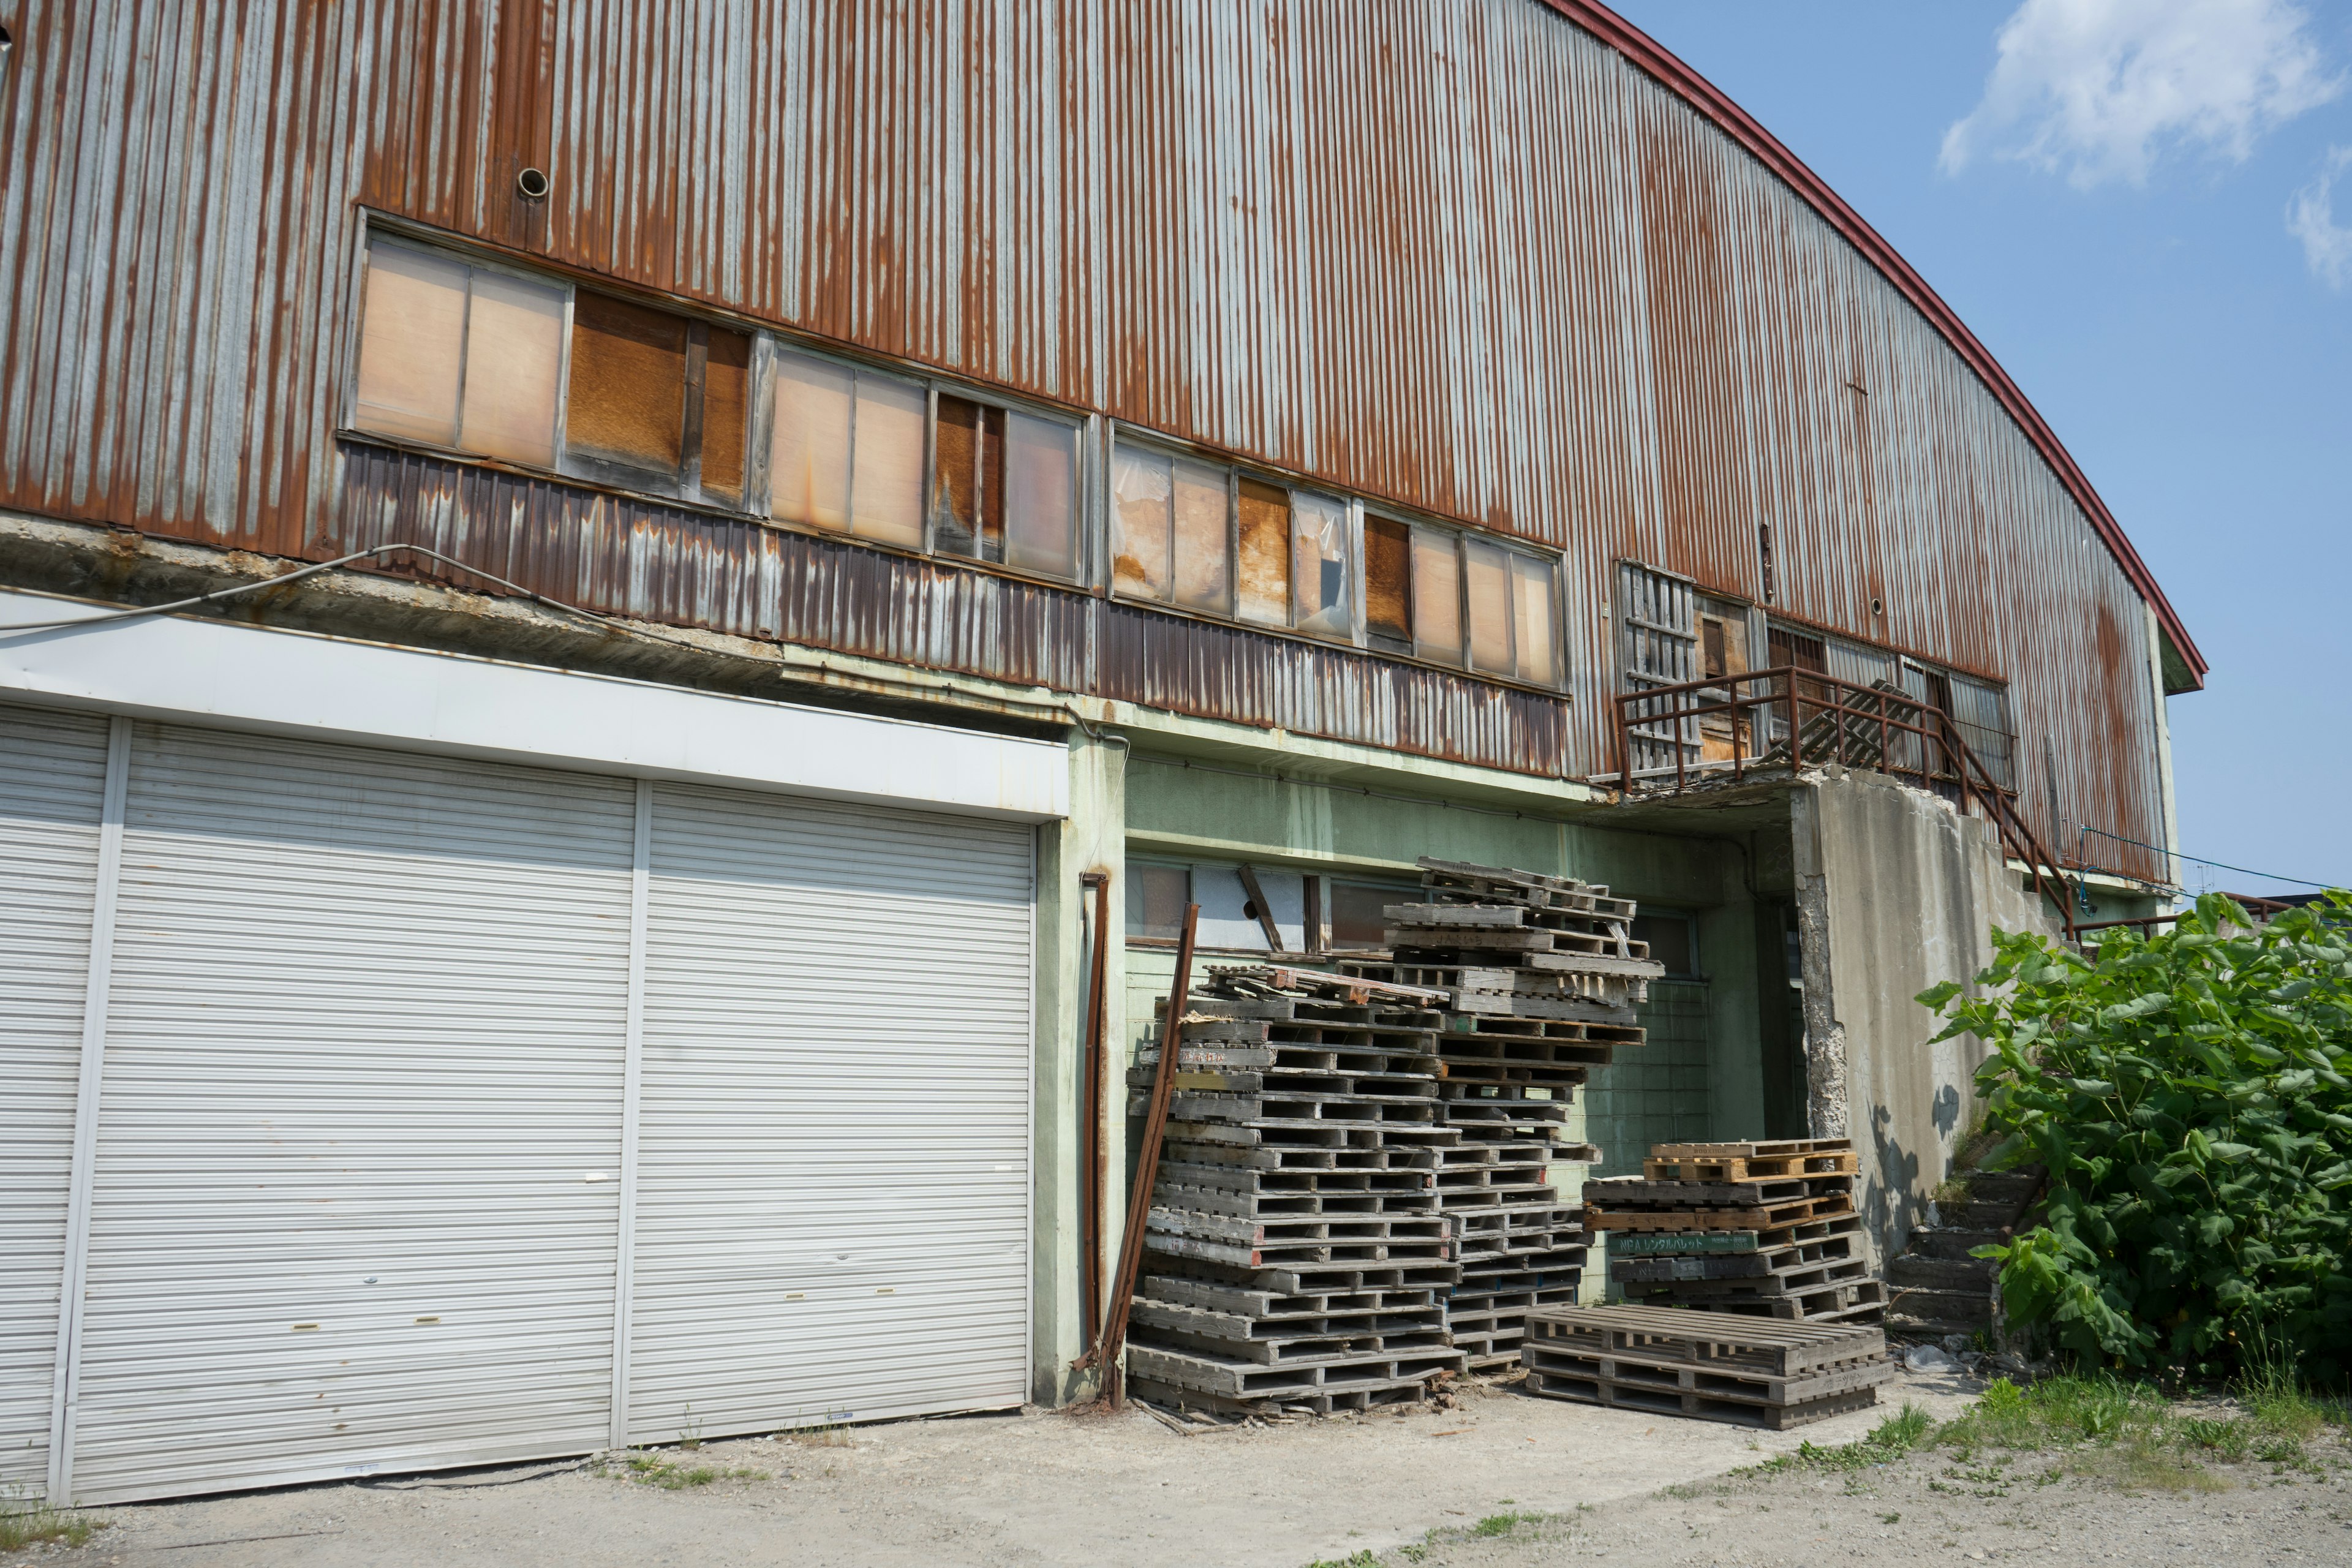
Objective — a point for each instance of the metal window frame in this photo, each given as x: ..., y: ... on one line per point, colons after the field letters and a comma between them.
x: 1554, y: 563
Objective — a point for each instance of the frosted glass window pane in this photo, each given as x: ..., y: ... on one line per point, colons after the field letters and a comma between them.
x: 808, y: 458
x: 412, y: 341
x: 1537, y: 639
x: 885, y: 489
x: 1436, y: 595
x: 1203, y: 539
x: 725, y: 406
x: 1318, y: 568
x: 1041, y: 483
x: 1143, y: 490
x: 514, y: 359
x: 1490, y: 606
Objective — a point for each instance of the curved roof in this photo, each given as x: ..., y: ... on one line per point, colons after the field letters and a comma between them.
x: 1710, y: 100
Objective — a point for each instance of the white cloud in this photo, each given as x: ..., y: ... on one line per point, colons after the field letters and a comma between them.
x: 2099, y: 90
x: 2310, y: 219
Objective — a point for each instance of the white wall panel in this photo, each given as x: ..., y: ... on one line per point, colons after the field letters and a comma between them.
x: 356, y: 1206
x: 52, y: 787
x: 832, y: 1180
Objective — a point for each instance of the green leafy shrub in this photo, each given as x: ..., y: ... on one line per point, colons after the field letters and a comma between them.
x: 2188, y: 1093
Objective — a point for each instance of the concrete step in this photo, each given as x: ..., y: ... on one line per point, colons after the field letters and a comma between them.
x: 1964, y: 1274
x: 1903, y: 1325
x: 1964, y: 1310
x: 1975, y: 1215
x: 1951, y: 1241
x: 2002, y: 1186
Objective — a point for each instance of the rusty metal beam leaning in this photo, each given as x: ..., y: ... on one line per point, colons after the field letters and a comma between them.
x: 1147, y: 1170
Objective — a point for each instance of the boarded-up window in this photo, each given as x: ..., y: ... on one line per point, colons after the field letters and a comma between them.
x: 808, y: 459
x: 1041, y: 533
x: 627, y: 399
x: 1437, y: 594
x: 1265, y: 554
x: 726, y: 411
x: 1318, y: 571
x: 1712, y: 654
x: 968, y: 479
x: 459, y: 355
x: 1203, y: 538
x: 1388, y: 581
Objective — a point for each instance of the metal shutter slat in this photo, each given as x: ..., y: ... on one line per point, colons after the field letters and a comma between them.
x: 52, y: 790
x: 835, y: 1105
x: 364, y: 1047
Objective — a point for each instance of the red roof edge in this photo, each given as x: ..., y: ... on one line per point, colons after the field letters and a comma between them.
x: 1703, y: 95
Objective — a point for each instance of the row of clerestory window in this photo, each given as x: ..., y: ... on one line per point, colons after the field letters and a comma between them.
x: 478, y: 357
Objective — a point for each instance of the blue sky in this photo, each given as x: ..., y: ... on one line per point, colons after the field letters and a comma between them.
x: 2136, y: 217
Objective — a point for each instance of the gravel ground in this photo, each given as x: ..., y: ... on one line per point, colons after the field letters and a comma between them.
x: 1103, y: 1492
x: 1938, y: 1509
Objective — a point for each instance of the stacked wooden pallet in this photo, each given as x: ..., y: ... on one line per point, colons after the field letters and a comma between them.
x: 1753, y: 1372
x: 1296, y: 1255
x: 1540, y: 976
x: 1766, y: 1228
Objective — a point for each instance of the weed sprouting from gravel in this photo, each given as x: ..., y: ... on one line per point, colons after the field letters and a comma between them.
x: 28, y: 1521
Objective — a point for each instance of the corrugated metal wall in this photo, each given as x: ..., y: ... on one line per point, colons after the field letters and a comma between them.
x: 1459, y: 254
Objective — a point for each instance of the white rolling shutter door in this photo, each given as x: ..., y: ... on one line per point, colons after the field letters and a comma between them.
x: 832, y: 1216
x: 52, y: 789
x: 355, y: 1206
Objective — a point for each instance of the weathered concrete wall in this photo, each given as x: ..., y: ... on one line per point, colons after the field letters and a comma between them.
x: 1897, y: 891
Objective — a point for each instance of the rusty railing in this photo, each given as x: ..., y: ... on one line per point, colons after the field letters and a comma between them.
x: 1793, y: 718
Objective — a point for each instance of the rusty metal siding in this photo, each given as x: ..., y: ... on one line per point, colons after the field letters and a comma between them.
x: 1459, y: 256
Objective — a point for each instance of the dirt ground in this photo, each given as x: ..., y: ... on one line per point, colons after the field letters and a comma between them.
x: 1050, y: 1488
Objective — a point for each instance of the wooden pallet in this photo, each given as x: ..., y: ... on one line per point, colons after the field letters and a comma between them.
x: 1777, y: 1261
x: 1707, y: 1290
x: 1765, y: 1216
x: 1304, y: 1378
x: 1718, y: 1341
x: 1856, y: 1301
x: 1323, y: 1401
x: 1752, y: 1167
x: 1703, y: 1406
x: 1639, y: 1191
x: 1751, y: 1150
x: 1652, y: 1244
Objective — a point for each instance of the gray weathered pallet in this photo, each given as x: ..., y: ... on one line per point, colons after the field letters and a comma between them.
x: 1636, y: 1191
x: 1243, y: 1301
x: 1294, y: 1276
x: 1779, y: 1260
x: 1247, y: 1380
x: 1703, y: 1406
x: 1857, y: 1301
x: 1668, y: 1336
x: 1371, y: 1396
x: 1795, y: 1282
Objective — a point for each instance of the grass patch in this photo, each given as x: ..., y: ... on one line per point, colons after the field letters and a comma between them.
x: 655, y: 1471
x: 1361, y: 1559
x: 27, y: 1522
x: 1504, y: 1524
x: 1889, y: 1441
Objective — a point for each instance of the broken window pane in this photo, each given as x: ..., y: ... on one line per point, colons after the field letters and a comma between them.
x: 514, y: 360
x: 1537, y: 626
x: 968, y: 488
x: 1436, y: 595
x: 725, y: 406
x: 1143, y: 493
x: 627, y: 402
x: 1388, y: 579
x: 1264, y: 555
x: 1040, y: 490
x: 412, y: 342
x: 886, y: 490
x: 808, y: 459
x: 1488, y: 567
x: 1319, y: 565
x: 1203, y: 539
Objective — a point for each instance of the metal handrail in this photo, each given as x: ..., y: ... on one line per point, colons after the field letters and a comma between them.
x: 1804, y: 694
